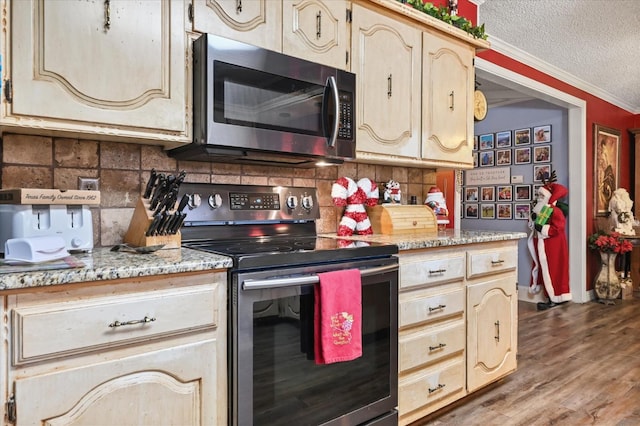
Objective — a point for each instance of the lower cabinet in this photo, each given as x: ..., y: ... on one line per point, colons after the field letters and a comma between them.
x: 457, y: 323
x: 137, y: 352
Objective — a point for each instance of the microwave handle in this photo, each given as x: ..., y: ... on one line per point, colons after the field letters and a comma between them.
x: 331, y: 82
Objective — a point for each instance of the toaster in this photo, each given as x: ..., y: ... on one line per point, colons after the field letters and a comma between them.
x: 71, y: 222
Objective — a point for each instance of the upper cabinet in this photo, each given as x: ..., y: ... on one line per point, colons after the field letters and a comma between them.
x: 316, y: 30
x: 386, y: 60
x: 447, y: 101
x: 115, y: 69
x: 248, y: 21
x: 415, y: 87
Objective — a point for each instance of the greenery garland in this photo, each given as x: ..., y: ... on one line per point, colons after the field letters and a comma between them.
x: 442, y: 13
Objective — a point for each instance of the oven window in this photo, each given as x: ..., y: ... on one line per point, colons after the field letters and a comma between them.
x: 253, y: 98
x: 289, y: 388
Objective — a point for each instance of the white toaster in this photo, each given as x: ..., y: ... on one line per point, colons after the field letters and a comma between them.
x: 71, y: 222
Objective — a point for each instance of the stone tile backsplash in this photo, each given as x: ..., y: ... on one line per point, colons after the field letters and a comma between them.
x: 30, y: 161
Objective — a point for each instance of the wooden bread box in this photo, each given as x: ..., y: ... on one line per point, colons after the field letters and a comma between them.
x: 403, y: 219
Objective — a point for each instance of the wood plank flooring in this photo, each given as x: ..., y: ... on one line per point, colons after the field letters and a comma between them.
x: 578, y: 364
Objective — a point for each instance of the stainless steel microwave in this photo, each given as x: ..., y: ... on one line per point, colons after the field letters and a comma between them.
x: 253, y: 105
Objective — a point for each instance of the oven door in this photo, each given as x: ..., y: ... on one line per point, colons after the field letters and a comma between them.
x: 275, y: 380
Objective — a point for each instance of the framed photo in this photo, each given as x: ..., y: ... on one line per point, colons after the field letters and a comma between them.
x: 475, y: 142
x: 471, y: 211
x: 486, y: 158
x: 522, y: 136
x: 505, y: 193
x: 606, y: 166
x: 522, y: 193
x: 503, y: 157
x: 475, y: 159
x: 542, y: 134
x: 486, y: 141
x: 471, y: 194
x: 504, y: 211
x: 488, y: 193
x: 542, y: 154
x: 522, y: 155
x: 541, y: 172
x: 503, y: 139
x: 521, y: 211
x: 487, y: 211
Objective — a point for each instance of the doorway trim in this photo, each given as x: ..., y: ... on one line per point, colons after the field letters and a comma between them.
x: 577, y: 170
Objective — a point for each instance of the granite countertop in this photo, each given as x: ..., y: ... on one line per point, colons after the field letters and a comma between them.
x: 103, y: 264
x: 448, y: 237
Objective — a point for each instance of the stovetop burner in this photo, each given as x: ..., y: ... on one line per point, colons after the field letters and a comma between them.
x: 275, y: 252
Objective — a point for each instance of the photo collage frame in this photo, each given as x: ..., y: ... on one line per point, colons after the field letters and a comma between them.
x: 526, y: 146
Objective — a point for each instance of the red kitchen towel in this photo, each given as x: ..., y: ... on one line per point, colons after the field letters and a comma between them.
x: 338, y: 317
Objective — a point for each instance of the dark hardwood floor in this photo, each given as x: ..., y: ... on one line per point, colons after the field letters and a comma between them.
x: 578, y: 364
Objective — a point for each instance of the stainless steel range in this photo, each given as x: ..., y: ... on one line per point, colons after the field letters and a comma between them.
x: 270, y: 234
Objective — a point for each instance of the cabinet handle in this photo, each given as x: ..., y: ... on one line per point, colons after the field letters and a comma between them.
x: 497, y: 324
x: 239, y: 6
x: 107, y: 15
x: 319, y: 25
x: 497, y: 262
x: 144, y: 320
x: 440, y: 386
x: 437, y: 271
x: 440, y: 346
x: 389, y: 85
x: 439, y: 307
x: 452, y: 99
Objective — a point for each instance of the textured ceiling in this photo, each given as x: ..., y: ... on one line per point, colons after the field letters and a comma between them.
x: 592, y: 44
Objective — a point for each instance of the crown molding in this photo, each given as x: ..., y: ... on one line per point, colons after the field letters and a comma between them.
x: 553, y: 71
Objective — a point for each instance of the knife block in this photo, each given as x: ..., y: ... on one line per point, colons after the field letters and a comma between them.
x: 142, y: 218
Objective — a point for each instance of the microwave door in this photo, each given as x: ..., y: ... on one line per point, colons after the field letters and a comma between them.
x: 331, y: 94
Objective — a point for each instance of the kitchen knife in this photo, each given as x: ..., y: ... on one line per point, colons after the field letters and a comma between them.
x: 154, y: 225
x: 160, y: 193
x: 159, y: 180
x: 177, y: 215
x: 168, y: 202
x: 150, y: 183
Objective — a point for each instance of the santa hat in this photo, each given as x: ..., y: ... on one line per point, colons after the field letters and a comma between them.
x: 555, y: 191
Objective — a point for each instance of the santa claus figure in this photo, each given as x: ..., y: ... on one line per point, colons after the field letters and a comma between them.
x: 548, y: 245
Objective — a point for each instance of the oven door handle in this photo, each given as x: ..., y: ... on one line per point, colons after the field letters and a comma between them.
x: 307, y: 279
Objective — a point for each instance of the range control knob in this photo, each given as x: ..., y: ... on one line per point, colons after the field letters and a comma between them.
x: 292, y: 202
x: 194, y: 201
x: 215, y: 201
x: 307, y: 202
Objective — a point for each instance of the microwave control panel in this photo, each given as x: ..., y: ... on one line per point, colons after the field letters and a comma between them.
x: 345, y: 130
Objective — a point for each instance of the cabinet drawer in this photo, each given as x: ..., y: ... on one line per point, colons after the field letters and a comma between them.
x: 422, y: 309
x: 422, y: 348
x: 424, y: 389
x: 432, y: 271
x: 51, y: 330
x: 491, y: 262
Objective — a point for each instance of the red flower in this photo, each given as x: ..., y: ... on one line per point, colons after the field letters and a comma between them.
x: 612, y: 242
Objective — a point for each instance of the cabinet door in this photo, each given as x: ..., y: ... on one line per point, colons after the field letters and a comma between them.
x: 492, y: 321
x: 386, y: 57
x: 174, y: 386
x: 114, y: 68
x: 448, y: 83
x: 316, y: 30
x: 257, y: 22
